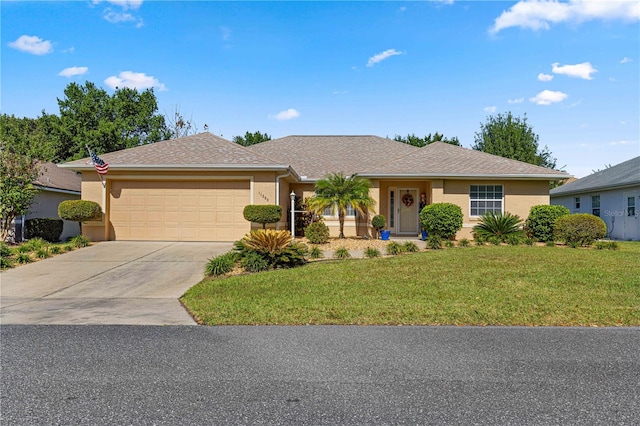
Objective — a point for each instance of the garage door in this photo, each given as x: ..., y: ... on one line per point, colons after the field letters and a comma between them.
x: 178, y: 210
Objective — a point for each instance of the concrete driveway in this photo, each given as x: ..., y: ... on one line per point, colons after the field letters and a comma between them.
x: 113, y: 282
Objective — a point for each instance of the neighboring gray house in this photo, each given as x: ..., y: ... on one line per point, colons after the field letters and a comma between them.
x: 613, y: 194
x: 55, y: 185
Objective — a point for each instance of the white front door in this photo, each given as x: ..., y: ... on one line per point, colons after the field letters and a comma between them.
x: 408, y: 202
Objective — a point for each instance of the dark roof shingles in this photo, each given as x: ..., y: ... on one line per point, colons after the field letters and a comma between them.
x: 623, y: 174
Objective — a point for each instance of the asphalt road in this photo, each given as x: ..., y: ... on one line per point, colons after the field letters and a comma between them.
x: 326, y: 375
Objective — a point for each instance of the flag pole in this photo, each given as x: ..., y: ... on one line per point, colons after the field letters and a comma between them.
x: 101, y: 180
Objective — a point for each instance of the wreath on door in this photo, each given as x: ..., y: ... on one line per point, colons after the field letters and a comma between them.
x: 407, y: 200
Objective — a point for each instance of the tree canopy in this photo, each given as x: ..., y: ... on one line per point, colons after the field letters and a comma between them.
x: 251, y: 138
x: 414, y: 140
x: 512, y: 137
x: 339, y: 192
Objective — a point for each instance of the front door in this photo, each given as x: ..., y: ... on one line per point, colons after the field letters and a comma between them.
x: 408, y: 202
x: 630, y: 219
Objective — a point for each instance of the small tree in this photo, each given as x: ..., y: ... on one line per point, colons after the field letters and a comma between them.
x: 441, y: 219
x: 262, y: 213
x: 79, y: 211
x: 17, y: 172
x: 378, y: 222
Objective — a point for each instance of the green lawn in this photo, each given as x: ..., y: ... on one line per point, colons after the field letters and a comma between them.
x: 488, y: 285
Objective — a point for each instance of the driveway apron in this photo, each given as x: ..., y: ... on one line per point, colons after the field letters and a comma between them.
x: 113, y: 282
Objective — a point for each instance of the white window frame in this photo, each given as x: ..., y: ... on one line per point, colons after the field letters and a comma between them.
x: 351, y: 212
x: 493, y: 200
x: 576, y: 203
x: 595, y: 198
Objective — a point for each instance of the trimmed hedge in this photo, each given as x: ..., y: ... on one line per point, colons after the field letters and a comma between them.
x: 579, y: 229
x: 49, y: 229
x: 79, y: 210
x: 542, y: 219
x: 317, y: 233
x: 441, y: 219
x: 262, y: 213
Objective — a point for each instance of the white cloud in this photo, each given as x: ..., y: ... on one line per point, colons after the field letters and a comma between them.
x: 614, y: 143
x: 548, y: 97
x: 287, y: 114
x: 117, y: 17
x: 625, y: 60
x: 32, y: 44
x: 403, y: 9
x: 539, y: 15
x: 516, y: 101
x: 226, y: 33
x: 134, y: 80
x: 583, y: 70
x: 382, y: 56
x: 545, y: 77
x: 340, y: 92
x: 490, y: 109
x: 71, y: 71
x: 124, y: 4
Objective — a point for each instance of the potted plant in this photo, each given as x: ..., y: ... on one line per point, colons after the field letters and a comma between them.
x: 378, y: 222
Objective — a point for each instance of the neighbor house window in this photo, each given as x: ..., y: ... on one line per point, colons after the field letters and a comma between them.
x: 576, y: 203
x: 595, y: 205
x: 327, y: 211
x: 485, y: 198
x: 631, y: 206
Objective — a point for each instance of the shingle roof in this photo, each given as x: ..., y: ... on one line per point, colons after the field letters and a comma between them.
x: 620, y: 175
x: 53, y: 177
x: 200, y: 150
x: 317, y: 156
x: 443, y: 159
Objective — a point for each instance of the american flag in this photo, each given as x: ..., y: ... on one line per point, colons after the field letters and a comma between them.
x: 101, y: 167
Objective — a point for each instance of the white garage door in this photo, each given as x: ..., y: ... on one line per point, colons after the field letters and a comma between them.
x: 178, y: 210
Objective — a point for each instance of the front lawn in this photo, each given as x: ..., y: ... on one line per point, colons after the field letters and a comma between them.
x: 487, y: 285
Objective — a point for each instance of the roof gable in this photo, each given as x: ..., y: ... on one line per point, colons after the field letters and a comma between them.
x: 202, y: 149
x: 53, y: 177
x: 317, y: 156
x: 624, y: 174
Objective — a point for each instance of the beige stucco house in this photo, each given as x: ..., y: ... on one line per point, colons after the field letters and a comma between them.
x: 195, y: 188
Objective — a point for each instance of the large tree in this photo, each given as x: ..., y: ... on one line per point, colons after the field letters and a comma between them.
x: 338, y: 192
x: 90, y: 116
x: 414, y: 140
x: 512, y: 137
x: 251, y: 138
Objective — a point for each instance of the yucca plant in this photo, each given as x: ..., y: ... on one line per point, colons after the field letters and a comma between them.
x: 434, y: 242
x: 498, y: 226
x: 464, y: 242
x: 394, y: 248
x: 410, y: 247
x: 315, y: 253
x: 276, y: 247
x: 220, y: 265
x: 341, y: 253
x: 267, y: 240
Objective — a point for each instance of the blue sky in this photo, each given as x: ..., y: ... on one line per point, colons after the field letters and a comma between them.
x: 380, y: 68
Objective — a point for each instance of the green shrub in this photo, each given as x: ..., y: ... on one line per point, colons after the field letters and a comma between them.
x: 464, y: 242
x: 514, y: 239
x: 23, y: 258
x: 341, y: 253
x: 410, y: 247
x: 394, y: 248
x: 5, y: 251
x: 317, y: 233
x: 220, y: 265
x: 582, y: 229
x: 35, y: 244
x: 371, y: 252
x: 496, y: 241
x: 79, y: 210
x: 442, y: 219
x: 541, y: 221
x: 599, y: 245
x: 550, y: 243
x: 43, y: 253
x: 529, y: 241
x: 56, y: 249
x: 612, y: 245
x: 6, y: 263
x: 253, y: 262
x: 24, y: 248
x: 434, y: 242
x: 79, y: 241
x: 499, y: 226
x: 262, y: 213
x: 449, y: 244
x: 46, y: 228
x: 316, y: 253
x: 378, y: 222
x: 276, y: 247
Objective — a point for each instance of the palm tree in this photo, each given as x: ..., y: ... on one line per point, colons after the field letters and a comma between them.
x: 339, y: 192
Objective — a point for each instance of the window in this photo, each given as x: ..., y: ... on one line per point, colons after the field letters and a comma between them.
x: 576, y: 203
x: 485, y: 198
x: 327, y: 211
x: 595, y: 205
x: 631, y: 206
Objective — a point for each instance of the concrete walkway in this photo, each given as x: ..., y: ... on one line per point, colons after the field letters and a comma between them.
x: 112, y: 282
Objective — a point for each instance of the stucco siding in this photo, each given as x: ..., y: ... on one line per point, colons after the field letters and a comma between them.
x: 45, y: 205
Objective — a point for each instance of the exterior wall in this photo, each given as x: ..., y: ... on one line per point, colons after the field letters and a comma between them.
x: 613, y: 210
x: 263, y: 190
x: 45, y: 205
x: 519, y: 197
